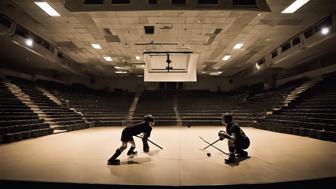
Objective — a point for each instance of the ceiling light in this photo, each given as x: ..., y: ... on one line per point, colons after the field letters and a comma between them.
x: 29, y: 42
x: 257, y: 66
x: 47, y: 8
x: 96, y: 46
x: 137, y: 57
x: 107, y: 58
x: 226, y: 57
x: 238, y: 46
x: 325, y: 31
x: 120, y: 72
x: 140, y: 66
x: 259, y: 14
x: 216, y: 73
x: 294, y: 6
x: 121, y: 68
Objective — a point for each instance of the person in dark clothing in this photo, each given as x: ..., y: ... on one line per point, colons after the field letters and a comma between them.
x: 238, y: 141
x: 127, y: 137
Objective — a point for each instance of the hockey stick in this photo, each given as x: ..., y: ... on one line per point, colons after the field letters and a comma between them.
x: 214, y: 146
x: 150, y: 142
x: 210, y: 144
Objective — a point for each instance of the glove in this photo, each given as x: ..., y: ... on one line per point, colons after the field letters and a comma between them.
x: 222, y: 135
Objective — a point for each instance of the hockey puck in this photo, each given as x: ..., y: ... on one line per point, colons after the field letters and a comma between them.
x: 208, y: 154
x: 188, y: 126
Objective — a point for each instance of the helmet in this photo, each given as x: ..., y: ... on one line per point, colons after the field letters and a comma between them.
x: 149, y: 118
x: 227, y: 118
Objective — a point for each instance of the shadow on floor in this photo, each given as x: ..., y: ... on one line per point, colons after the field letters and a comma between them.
x: 238, y: 160
x: 115, y: 169
x: 133, y: 160
x: 153, y: 152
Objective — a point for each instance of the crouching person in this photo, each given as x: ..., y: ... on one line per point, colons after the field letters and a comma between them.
x: 144, y: 127
x: 237, y: 140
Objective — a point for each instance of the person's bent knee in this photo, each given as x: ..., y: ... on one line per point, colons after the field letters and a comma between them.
x: 231, y: 143
x: 123, y: 147
x: 132, y: 144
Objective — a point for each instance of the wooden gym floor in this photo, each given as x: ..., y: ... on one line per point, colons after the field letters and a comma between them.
x: 81, y: 156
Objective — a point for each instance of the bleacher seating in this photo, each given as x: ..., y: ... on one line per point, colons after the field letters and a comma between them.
x: 158, y: 103
x: 206, y: 108
x: 61, y: 116
x: 102, y: 108
x: 17, y: 120
x: 257, y: 105
x: 311, y: 115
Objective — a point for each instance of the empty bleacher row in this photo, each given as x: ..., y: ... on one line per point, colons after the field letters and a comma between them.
x: 17, y: 120
x: 259, y: 104
x: 101, y: 108
x: 60, y: 117
x: 158, y: 103
x: 204, y: 107
x: 312, y: 114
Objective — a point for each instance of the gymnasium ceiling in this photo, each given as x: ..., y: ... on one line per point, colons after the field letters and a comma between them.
x: 211, y: 33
